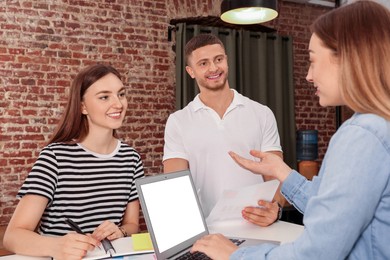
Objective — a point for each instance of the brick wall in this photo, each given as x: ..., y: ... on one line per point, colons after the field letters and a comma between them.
x: 295, y: 19
x: 43, y: 44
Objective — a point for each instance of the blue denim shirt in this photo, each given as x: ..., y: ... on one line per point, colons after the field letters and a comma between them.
x: 347, y: 207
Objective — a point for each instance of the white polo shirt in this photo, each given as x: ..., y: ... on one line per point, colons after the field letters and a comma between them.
x: 197, y: 134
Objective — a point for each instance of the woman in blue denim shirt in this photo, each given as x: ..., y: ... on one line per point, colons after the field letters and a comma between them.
x: 347, y: 207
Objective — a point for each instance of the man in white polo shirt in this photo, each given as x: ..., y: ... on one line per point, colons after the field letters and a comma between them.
x: 217, y: 121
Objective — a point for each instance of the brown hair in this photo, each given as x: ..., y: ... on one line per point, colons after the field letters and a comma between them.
x: 359, y: 34
x: 199, y: 41
x: 73, y: 126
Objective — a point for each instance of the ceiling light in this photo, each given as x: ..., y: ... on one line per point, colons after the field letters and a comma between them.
x: 248, y: 11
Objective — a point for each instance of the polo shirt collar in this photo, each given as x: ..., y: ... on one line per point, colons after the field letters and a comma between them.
x: 238, y: 100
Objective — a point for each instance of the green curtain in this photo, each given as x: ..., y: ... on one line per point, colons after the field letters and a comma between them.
x: 260, y: 67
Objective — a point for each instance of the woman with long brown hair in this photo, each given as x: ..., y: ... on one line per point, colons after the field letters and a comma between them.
x: 85, y: 173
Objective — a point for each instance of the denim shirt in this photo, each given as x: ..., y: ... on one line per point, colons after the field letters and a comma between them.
x: 347, y: 207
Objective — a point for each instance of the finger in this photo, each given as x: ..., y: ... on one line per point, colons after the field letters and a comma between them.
x: 109, y: 234
x: 104, y: 230
x: 234, y: 156
x: 93, y: 241
x: 267, y: 204
x: 270, y: 209
x: 90, y: 241
x: 258, y: 154
x: 115, y: 235
x: 243, y: 162
x: 258, y: 220
x: 81, y: 247
x: 251, y: 216
x: 254, y: 213
x: 105, y: 225
x: 200, y: 244
x: 197, y: 246
x: 260, y: 216
x: 254, y: 210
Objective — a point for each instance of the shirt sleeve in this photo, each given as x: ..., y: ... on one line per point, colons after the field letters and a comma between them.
x: 270, y: 135
x: 336, y: 217
x: 138, y: 173
x: 42, y: 180
x: 173, y: 140
x: 298, y: 190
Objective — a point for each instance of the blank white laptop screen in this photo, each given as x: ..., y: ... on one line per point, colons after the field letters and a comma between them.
x: 182, y: 220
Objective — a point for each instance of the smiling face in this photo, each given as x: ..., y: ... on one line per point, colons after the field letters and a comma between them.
x: 208, y: 66
x: 104, y: 103
x: 324, y: 73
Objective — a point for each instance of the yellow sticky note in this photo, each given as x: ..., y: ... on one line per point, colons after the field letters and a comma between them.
x: 142, y: 242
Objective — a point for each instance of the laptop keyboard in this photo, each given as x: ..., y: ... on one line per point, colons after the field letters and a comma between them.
x: 196, y: 255
x: 201, y: 256
x: 237, y: 241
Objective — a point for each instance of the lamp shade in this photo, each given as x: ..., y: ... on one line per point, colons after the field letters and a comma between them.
x: 248, y: 11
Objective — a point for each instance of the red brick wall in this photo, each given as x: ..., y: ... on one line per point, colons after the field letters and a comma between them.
x: 295, y: 19
x: 43, y: 45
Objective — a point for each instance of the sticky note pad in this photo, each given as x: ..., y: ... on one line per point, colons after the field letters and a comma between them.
x: 142, y: 242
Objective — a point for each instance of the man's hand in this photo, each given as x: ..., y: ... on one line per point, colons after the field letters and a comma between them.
x: 263, y: 216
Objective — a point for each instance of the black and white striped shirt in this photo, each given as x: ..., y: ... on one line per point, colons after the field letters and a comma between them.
x: 83, y: 186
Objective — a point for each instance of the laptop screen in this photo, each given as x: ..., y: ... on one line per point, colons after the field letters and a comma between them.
x: 172, y: 211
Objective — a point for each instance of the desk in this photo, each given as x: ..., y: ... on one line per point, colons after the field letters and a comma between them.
x: 132, y: 257
x: 279, y: 231
x: 22, y: 257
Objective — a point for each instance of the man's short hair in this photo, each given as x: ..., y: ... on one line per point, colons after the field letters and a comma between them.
x: 199, y: 41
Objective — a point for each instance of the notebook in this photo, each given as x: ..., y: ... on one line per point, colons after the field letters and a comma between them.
x: 122, y: 247
x: 173, y: 213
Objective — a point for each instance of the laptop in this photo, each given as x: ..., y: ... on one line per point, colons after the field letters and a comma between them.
x: 173, y: 214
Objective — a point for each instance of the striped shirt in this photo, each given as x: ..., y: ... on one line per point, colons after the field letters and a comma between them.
x: 84, y: 186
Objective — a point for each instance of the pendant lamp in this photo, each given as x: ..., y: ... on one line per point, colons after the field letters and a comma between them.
x: 248, y: 11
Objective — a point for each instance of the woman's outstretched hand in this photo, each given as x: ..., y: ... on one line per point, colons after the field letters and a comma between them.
x: 269, y: 164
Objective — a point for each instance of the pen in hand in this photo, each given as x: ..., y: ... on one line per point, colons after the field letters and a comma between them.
x: 75, y: 227
x: 106, y: 243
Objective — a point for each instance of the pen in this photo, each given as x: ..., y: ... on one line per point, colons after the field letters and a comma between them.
x: 76, y: 228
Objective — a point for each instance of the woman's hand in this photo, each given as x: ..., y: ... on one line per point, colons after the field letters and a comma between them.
x: 269, y: 164
x: 73, y: 246
x: 108, y: 230
x: 216, y: 246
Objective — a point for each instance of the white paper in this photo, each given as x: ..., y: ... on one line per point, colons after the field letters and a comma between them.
x: 123, y: 246
x: 232, y: 202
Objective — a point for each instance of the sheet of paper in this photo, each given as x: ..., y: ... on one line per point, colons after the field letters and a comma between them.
x: 123, y: 246
x: 232, y: 202
x: 97, y: 253
x: 150, y: 256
